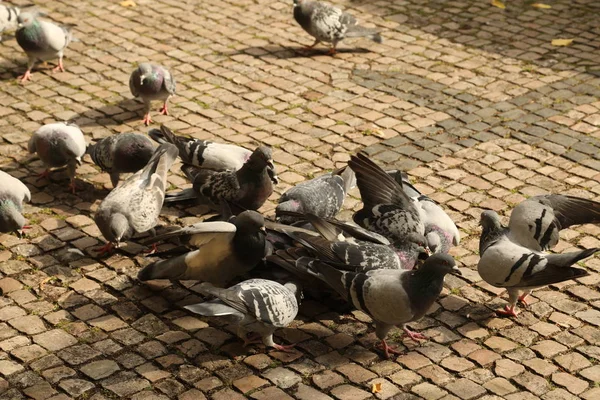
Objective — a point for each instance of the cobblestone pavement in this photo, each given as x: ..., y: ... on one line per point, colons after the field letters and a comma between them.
x: 472, y: 100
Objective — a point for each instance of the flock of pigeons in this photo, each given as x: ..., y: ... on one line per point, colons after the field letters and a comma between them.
x: 390, y: 262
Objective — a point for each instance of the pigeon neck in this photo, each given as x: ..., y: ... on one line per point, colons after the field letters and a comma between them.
x: 489, y: 236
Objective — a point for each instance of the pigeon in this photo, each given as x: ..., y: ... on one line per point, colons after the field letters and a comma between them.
x: 206, y: 154
x: 8, y: 17
x: 42, y: 40
x: 387, y: 209
x: 390, y: 296
x: 152, y: 82
x: 336, y: 246
x: 121, y: 153
x: 514, y: 258
x: 322, y: 196
x: 12, y: 195
x: 247, y: 188
x: 225, y: 250
x: 329, y: 24
x: 57, y: 145
x: 440, y: 230
x: 134, y: 205
x: 259, y: 305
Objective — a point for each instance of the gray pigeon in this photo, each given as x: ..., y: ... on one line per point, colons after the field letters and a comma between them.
x: 245, y: 189
x: 440, y: 230
x: 329, y: 24
x: 134, y: 205
x: 391, y: 297
x: 512, y: 257
x: 42, y: 40
x: 322, y: 196
x: 260, y: 306
x: 206, y: 154
x: 152, y: 82
x: 12, y: 195
x: 57, y: 145
x: 387, y: 209
x: 121, y: 153
x: 225, y: 250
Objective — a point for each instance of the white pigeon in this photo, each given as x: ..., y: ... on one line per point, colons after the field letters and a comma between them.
x: 8, y: 17
x: 12, y: 195
x: 42, y: 40
x: 513, y: 257
x: 260, y: 306
x: 57, y: 145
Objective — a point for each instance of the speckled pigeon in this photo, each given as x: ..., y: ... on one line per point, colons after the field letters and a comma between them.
x: 387, y: 209
x: 152, y: 82
x: 12, y: 195
x: 206, y: 154
x: 225, y: 250
x: 329, y: 24
x: 440, y: 230
x: 261, y: 306
x: 134, y: 205
x: 246, y: 189
x: 322, y: 196
x: 513, y: 257
x: 121, y: 153
x: 390, y: 296
x: 57, y: 145
x: 42, y: 40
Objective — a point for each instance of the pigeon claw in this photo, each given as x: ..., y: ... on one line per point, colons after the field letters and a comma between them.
x: 59, y: 68
x: 522, y: 300
x: 508, y: 311
x: 43, y: 175
x: 285, y: 349
x: 387, y: 350
x: 332, y: 51
x: 107, y: 248
x: 72, y: 186
x: 147, y: 120
x: 164, y: 110
x: 153, y: 249
x: 25, y: 77
x: 414, y: 335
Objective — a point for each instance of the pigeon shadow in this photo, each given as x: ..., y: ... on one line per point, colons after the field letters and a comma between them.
x: 124, y: 111
x: 287, y: 52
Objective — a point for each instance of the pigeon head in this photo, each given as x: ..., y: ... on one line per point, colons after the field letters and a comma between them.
x: 490, y: 221
x: 249, y: 222
x: 440, y: 264
x: 417, y: 242
x: 11, y: 219
x: 118, y: 228
x: 26, y: 19
x: 434, y: 242
x: 295, y: 288
x: 145, y: 71
x: 261, y: 158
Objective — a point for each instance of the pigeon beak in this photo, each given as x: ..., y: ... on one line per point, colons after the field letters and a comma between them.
x: 263, y: 230
x: 270, y: 165
x: 456, y: 271
x: 428, y: 251
x: 142, y: 77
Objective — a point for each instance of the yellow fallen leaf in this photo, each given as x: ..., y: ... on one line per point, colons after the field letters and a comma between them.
x: 562, y: 42
x: 499, y: 4
x: 540, y: 5
x: 376, y: 388
x: 128, y: 3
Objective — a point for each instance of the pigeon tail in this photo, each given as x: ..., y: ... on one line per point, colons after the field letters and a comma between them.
x: 184, y: 195
x: 165, y: 269
x: 360, y: 31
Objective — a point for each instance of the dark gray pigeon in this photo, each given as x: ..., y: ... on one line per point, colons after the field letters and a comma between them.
x: 41, y: 40
x: 134, y: 205
x: 152, y: 82
x: 260, y: 306
x: 121, y: 153
x: 322, y: 196
x: 387, y: 209
x: 329, y: 24
x: 57, y: 145
x: 440, y: 230
x: 225, y: 250
x: 391, y: 297
x: 206, y: 154
x: 512, y: 257
x: 245, y: 189
x: 12, y: 195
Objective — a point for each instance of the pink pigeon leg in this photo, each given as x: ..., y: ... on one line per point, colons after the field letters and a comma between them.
x: 44, y: 175
x: 60, y: 67
x: 508, y: 311
x: 153, y: 249
x: 147, y: 120
x: 72, y: 186
x: 414, y: 335
x: 522, y: 298
x: 387, y: 350
x: 285, y: 349
x: 164, y: 110
x: 107, y: 248
x: 26, y: 76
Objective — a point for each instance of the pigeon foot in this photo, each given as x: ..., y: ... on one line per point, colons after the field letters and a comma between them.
x: 387, y: 350
x: 285, y: 349
x: 508, y: 311
x: 25, y: 77
x: 522, y: 300
x: 164, y: 110
x: 414, y: 335
x: 107, y: 248
x: 147, y: 120
x: 44, y: 175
